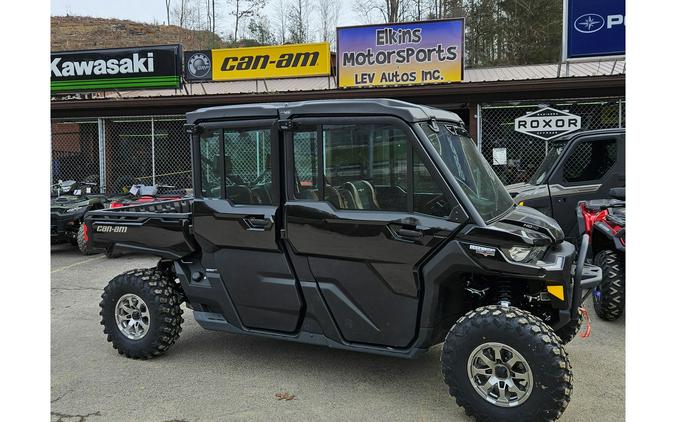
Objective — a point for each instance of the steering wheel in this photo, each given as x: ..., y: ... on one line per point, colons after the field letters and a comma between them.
x: 438, y: 202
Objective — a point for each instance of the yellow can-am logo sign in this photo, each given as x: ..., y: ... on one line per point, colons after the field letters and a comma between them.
x: 281, y: 61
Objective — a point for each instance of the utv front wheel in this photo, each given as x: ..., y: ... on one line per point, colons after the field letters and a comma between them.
x: 141, y: 313
x: 504, y: 364
x: 609, y: 297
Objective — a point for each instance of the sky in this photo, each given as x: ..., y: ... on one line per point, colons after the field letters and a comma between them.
x: 154, y: 11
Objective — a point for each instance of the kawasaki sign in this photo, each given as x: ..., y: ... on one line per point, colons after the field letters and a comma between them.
x: 119, y: 68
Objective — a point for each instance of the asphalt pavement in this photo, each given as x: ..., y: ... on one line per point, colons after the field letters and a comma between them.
x: 214, y: 376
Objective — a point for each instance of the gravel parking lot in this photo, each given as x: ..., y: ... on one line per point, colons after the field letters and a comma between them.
x: 217, y: 376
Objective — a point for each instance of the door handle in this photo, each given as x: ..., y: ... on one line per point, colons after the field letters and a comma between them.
x: 258, y: 223
x: 409, y: 234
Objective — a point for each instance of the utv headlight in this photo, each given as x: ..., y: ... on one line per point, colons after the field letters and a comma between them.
x: 525, y: 253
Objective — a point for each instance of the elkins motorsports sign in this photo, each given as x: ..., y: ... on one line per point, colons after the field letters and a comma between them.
x: 119, y: 68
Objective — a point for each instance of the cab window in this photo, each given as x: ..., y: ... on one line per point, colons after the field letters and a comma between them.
x: 248, y: 166
x: 590, y: 160
x: 365, y: 167
x: 211, y: 162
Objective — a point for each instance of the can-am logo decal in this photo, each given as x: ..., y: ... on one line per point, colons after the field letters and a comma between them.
x: 482, y: 250
x: 111, y: 229
x: 589, y: 23
x: 547, y: 123
x: 134, y: 64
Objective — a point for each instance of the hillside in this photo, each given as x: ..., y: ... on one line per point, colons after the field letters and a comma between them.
x: 79, y: 32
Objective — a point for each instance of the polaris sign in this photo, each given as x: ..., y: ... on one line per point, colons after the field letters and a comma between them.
x: 594, y: 28
x: 547, y: 123
x: 119, y: 68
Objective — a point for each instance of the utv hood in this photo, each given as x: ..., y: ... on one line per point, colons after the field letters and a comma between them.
x: 531, y: 219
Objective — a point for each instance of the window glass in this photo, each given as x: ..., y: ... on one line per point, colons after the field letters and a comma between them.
x: 428, y: 198
x: 365, y: 167
x: 248, y: 166
x: 590, y: 160
x: 209, y: 148
x: 475, y: 176
x: 306, y: 164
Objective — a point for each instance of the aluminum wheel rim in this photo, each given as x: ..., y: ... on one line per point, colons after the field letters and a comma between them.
x: 132, y: 316
x: 500, y: 374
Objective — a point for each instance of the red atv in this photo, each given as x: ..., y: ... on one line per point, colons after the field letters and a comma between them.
x: 604, y: 220
x: 142, y: 194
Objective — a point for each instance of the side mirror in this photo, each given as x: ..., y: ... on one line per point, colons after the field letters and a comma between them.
x: 618, y: 193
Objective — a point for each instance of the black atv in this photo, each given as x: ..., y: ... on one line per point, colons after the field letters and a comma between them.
x: 604, y: 221
x: 70, y: 201
x: 378, y: 228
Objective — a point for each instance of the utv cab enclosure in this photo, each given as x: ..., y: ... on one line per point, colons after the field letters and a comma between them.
x: 578, y: 167
x: 365, y: 225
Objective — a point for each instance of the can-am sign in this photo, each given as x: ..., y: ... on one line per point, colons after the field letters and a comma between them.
x: 548, y: 123
x: 118, y: 68
x: 269, y: 62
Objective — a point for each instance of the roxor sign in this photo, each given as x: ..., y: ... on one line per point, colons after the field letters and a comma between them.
x: 118, y: 68
x: 547, y: 123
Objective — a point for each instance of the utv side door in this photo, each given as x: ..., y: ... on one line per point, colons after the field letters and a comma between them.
x: 352, y: 219
x: 590, y: 167
x: 237, y: 224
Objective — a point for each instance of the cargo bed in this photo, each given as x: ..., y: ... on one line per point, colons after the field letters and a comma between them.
x: 160, y: 228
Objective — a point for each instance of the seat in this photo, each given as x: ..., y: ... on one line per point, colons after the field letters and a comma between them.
x: 239, y: 194
x: 364, y: 195
x: 333, y: 196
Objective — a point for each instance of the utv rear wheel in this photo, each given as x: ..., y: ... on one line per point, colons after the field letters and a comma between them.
x: 83, y: 241
x: 609, y: 297
x: 570, y: 330
x: 141, y: 313
x: 504, y: 364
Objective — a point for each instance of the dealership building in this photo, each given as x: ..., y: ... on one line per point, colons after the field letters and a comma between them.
x: 114, y: 129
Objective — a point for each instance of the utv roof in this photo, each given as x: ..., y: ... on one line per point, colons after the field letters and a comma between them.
x: 366, y: 107
x: 568, y: 137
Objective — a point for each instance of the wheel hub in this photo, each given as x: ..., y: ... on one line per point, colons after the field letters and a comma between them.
x: 500, y: 374
x: 132, y: 316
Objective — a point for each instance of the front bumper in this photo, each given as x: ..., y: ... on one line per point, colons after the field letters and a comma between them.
x: 584, y: 276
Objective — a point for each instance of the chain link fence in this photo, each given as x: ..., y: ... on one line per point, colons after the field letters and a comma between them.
x: 75, y: 151
x: 515, y: 156
x: 118, y: 152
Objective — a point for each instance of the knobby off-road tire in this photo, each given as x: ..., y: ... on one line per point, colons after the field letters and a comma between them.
x: 570, y: 330
x: 83, y: 245
x: 159, y: 305
x: 609, y: 298
x: 528, y: 336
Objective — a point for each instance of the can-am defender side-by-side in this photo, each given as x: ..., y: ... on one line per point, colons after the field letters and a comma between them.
x: 69, y: 203
x: 365, y: 225
x: 604, y: 221
x: 581, y: 166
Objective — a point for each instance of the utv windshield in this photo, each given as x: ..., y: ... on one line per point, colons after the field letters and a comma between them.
x: 480, y: 183
x: 546, y: 166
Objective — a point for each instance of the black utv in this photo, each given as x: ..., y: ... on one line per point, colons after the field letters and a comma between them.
x: 365, y: 225
x: 578, y: 167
